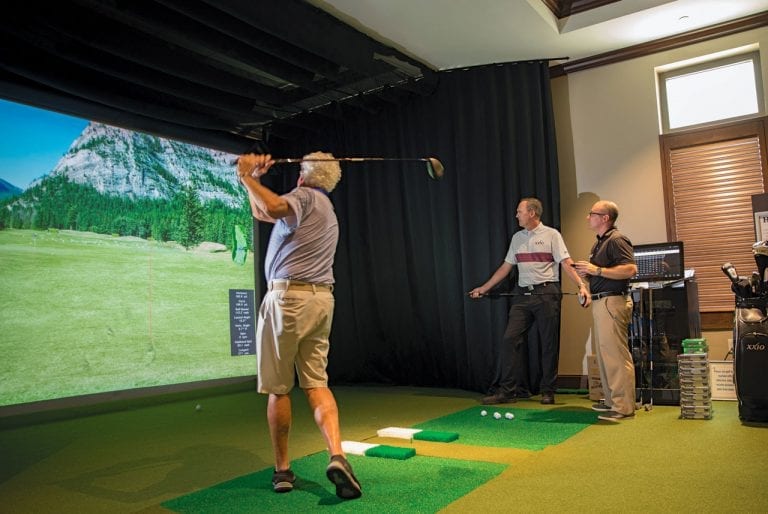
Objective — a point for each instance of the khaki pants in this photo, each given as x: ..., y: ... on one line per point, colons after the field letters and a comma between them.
x: 611, y: 316
x: 292, y: 338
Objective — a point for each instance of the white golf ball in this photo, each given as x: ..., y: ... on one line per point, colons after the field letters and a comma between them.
x: 509, y: 415
x: 483, y: 412
x: 198, y: 407
x: 497, y: 415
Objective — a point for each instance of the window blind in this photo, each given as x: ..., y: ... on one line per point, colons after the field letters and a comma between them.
x: 712, y: 185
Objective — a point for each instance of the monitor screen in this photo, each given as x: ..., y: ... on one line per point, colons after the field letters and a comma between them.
x: 659, y: 262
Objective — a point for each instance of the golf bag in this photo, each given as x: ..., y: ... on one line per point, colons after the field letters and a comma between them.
x: 750, y: 338
x: 750, y: 362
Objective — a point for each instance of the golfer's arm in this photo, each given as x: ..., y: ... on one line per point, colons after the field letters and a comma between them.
x: 620, y: 271
x: 266, y: 205
x: 258, y: 209
x: 500, y: 274
x: 567, y: 266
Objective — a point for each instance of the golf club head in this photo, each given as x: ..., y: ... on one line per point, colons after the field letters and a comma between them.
x: 435, y: 168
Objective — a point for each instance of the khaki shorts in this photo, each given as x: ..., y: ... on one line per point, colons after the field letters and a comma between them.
x: 292, y: 339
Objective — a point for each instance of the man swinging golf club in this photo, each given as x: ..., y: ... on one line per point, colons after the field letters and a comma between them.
x: 296, y: 313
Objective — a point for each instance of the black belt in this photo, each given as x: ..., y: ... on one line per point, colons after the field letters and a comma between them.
x: 534, y: 286
x: 597, y: 296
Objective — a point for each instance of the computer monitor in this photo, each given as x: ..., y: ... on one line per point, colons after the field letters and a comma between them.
x: 659, y: 262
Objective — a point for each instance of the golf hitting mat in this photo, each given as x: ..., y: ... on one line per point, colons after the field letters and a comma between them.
x: 417, y: 434
x: 419, y: 484
x: 377, y: 450
x: 528, y: 429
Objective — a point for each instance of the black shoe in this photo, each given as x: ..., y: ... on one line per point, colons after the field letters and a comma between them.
x: 282, y: 481
x: 600, y: 406
x: 340, y: 473
x: 498, y: 398
x: 547, y: 398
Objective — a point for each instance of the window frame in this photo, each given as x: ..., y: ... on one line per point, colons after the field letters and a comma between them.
x: 663, y: 76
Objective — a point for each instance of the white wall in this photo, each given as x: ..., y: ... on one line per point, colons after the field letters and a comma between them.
x: 607, y: 126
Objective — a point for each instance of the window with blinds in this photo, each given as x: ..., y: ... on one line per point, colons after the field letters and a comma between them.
x: 709, y: 179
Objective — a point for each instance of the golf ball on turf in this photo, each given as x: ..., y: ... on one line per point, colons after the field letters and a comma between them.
x: 198, y: 407
x: 509, y: 415
x: 483, y: 412
x: 497, y: 415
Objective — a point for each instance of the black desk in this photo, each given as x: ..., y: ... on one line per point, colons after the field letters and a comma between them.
x: 661, y: 319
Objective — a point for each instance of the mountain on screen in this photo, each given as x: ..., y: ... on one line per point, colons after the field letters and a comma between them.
x: 129, y: 164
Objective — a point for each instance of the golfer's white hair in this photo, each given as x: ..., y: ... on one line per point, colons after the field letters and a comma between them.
x: 322, y: 174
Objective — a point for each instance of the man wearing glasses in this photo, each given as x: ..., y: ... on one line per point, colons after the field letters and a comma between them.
x: 611, y: 264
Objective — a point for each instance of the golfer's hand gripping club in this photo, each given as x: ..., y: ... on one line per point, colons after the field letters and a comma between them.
x: 253, y: 165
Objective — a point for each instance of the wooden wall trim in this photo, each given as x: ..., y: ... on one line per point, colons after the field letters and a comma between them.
x: 663, y: 44
x: 564, y: 8
x: 557, y: 8
x: 578, y: 6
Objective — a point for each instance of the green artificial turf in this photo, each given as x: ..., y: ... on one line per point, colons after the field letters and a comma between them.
x: 530, y: 429
x: 420, y: 484
x: 84, y: 313
x: 127, y: 457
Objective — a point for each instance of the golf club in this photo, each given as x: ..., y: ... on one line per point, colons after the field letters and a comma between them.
x: 530, y: 293
x: 435, y: 168
x: 509, y: 293
x: 649, y: 406
x: 643, y: 349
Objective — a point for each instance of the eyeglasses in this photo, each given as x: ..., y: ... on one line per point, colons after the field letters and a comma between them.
x: 592, y: 213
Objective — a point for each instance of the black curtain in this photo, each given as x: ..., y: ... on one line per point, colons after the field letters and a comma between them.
x: 410, y: 247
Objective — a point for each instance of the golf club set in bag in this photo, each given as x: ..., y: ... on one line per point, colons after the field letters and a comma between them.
x: 750, y: 337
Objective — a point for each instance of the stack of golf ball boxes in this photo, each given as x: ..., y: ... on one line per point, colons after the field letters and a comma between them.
x: 695, y: 393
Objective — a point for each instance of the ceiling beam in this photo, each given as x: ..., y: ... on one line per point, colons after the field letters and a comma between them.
x: 318, y: 32
x: 82, y: 26
x: 102, y: 89
x: 260, y: 41
x: 80, y: 56
x: 211, y: 45
x: 19, y: 90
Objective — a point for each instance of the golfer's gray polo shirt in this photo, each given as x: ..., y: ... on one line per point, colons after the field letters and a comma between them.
x: 302, y: 245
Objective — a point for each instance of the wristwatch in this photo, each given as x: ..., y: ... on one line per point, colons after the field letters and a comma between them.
x: 599, y: 271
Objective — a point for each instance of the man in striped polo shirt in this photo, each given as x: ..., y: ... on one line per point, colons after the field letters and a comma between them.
x: 538, y: 251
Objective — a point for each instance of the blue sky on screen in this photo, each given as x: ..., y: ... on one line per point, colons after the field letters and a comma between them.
x: 32, y: 141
